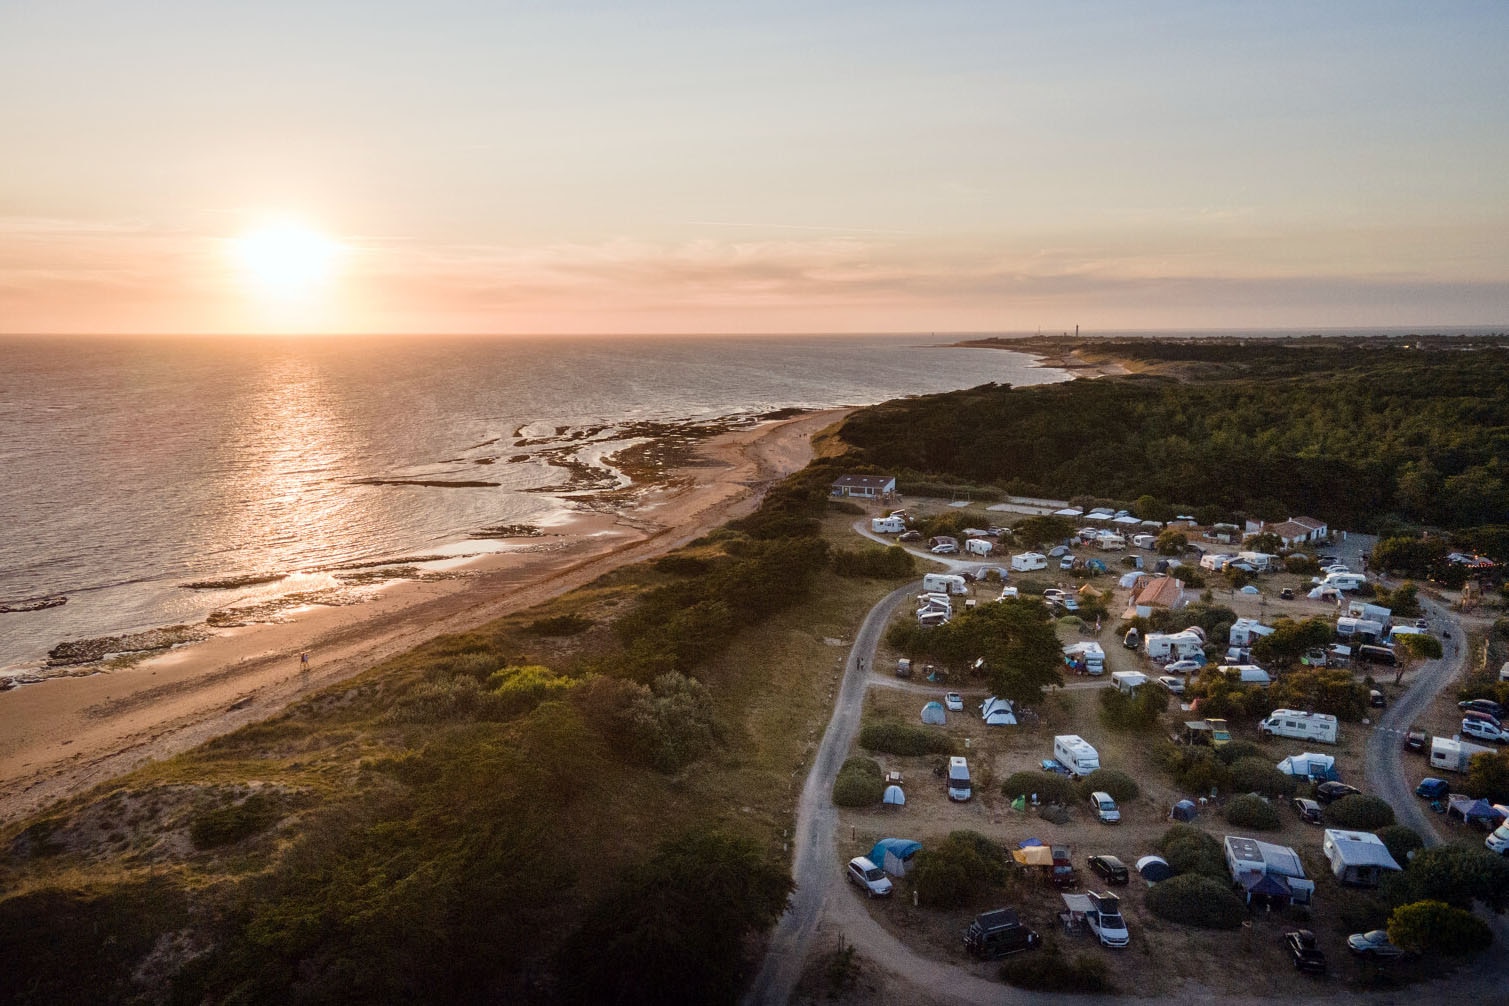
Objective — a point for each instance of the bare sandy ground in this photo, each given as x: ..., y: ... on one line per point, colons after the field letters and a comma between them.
x: 62, y: 736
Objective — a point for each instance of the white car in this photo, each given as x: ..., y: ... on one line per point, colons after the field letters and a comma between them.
x: 870, y: 878
x: 1484, y: 731
x: 1184, y: 666
x: 1053, y: 595
x: 954, y: 701
x: 944, y: 548
x: 1105, y: 808
x: 1173, y: 684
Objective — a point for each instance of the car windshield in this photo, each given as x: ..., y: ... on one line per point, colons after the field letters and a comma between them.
x: 875, y: 873
x: 1112, y: 920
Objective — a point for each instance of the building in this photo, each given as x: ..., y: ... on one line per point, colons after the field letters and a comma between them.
x: 870, y: 487
x: 1160, y: 592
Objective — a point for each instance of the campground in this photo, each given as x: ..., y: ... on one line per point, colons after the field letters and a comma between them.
x: 1164, y: 958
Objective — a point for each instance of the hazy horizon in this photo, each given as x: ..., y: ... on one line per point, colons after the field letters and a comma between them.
x: 674, y: 168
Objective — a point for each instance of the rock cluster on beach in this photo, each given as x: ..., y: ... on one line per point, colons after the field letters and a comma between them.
x: 86, y: 651
x: 34, y: 604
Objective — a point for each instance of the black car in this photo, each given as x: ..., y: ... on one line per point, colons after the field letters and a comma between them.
x: 997, y: 934
x: 1374, y: 944
x: 1416, y: 740
x: 1330, y: 792
x: 1111, y: 868
x: 1308, y: 810
x: 1307, y: 956
x: 1492, y: 708
x: 1287, y: 594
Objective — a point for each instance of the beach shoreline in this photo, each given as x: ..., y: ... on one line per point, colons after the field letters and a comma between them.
x: 64, y: 735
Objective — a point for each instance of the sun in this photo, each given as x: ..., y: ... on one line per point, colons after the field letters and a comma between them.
x: 287, y: 259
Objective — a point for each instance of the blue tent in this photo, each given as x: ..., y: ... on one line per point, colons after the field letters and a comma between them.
x: 933, y: 713
x: 1184, y: 810
x: 894, y: 855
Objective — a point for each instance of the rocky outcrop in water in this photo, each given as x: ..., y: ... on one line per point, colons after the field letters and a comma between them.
x: 86, y: 651
x: 33, y: 604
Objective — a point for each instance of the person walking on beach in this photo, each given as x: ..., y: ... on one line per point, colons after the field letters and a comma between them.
x: 303, y: 661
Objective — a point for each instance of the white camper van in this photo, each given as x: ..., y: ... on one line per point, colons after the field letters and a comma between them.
x: 944, y: 583
x: 1127, y: 682
x: 1090, y: 653
x: 1300, y: 725
x: 1453, y: 755
x: 1028, y: 561
x: 1075, y: 754
x: 979, y: 546
x: 958, y: 779
x: 887, y: 525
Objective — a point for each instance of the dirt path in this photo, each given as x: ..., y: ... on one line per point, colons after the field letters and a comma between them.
x: 63, y: 736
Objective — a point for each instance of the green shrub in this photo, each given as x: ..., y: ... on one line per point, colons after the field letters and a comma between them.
x: 1050, y: 787
x: 1190, y: 850
x: 1198, y: 770
x: 229, y: 825
x: 1258, y: 775
x: 1139, y: 711
x: 1455, y: 874
x: 1248, y: 811
x: 560, y: 625
x: 890, y: 737
x: 894, y: 562
x: 517, y: 690
x: 1049, y: 970
x: 949, y: 874
x: 1234, y: 751
x: 845, y: 506
x: 860, y: 783
x: 1434, y: 927
x: 682, y: 565
x: 1360, y: 812
x: 1401, y: 841
x: 1121, y: 787
x: 1196, y: 900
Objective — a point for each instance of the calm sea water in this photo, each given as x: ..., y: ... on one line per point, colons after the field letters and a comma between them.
x: 129, y: 466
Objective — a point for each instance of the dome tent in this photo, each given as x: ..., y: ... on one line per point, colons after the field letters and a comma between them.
x: 894, y: 855
x: 934, y: 714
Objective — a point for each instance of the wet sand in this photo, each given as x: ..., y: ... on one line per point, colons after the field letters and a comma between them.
x: 62, y: 736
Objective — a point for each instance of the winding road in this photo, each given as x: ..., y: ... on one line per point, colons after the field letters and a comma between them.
x: 822, y: 893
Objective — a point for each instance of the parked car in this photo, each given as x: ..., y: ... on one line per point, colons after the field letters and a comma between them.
x: 944, y: 548
x: 1173, y: 684
x: 1330, y: 792
x: 996, y: 934
x: 1483, y: 731
x: 1422, y: 623
x: 1431, y: 788
x: 1183, y: 667
x: 1305, y: 952
x: 1287, y: 593
x: 1111, y: 868
x: 910, y: 536
x: 1416, y: 740
x: 1104, y: 807
x: 1308, y: 810
x: 1053, y: 595
x: 870, y: 878
x: 1492, y: 708
x: 1481, y: 717
x: 954, y: 701
x: 1067, y: 562
x: 1376, y: 699
x: 1374, y: 944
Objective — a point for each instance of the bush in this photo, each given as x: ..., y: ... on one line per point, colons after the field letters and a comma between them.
x: 903, y: 739
x: 1050, y: 971
x: 517, y: 690
x: 1360, y: 812
x: 1235, y: 751
x: 1140, y: 711
x: 881, y: 563
x: 1121, y: 787
x: 860, y: 783
x: 560, y: 625
x: 1257, y: 775
x: 1050, y: 787
x: 229, y: 825
x: 1189, y: 850
x: 1196, y: 900
x: 1254, y: 812
x: 1454, y: 874
x: 1198, y: 770
x: 1401, y: 841
x: 1434, y: 927
x: 682, y: 565
x: 947, y: 875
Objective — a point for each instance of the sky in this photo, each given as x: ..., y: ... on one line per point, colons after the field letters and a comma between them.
x: 563, y: 166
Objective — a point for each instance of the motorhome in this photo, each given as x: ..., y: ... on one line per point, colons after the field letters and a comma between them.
x: 1089, y: 654
x: 1075, y: 754
x: 1111, y: 542
x: 1215, y: 561
x: 959, y: 788
x: 1344, y: 581
x: 887, y: 525
x: 945, y: 583
x: 1144, y: 541
x: 1300, y: 725
x: 1453, y: 755
x: 1246, y: 631
x: 1372, y: 612
x: 1173, y: 645
x: 1348, y: 628
x: 1028, y: 561
x: 1263, y: 562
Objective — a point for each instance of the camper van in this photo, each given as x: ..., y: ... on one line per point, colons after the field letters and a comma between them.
x: 1166, y: 646
x: 1344, y: 581
x: 1127, y: 682
x: 887, y: 525
x: 978, y: 546
x: 1075, y: 754
x: 1028, y: 561
x: 1299, y: 725
x: 945, y: 583
x: 1089, y: 654
x: 958, y: 779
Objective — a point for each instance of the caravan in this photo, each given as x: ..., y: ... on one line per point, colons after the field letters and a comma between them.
x: 945, y: 583
x: 1453, y: 755
x: 978, y: 546
x: 887, y: 525
x: 1028, y: 561
x: 1075, y: 754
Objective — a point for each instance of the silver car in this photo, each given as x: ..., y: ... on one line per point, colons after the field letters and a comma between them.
x: 870, y: 878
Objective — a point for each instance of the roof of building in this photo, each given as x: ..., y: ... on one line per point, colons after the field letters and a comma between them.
x: 864, y: 481
x: 1165, y: 591
x: 1290, y: 529
x: 1309, y: 522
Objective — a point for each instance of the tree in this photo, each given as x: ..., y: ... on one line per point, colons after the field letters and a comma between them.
x: 1434, y: 927
x: 1488, y: 776
x: 1413, y: 557
x: 1412, y: 649
x: 1360, y: 812
x: 1290, y: 639
x: 1455, y: 874
x: 1266, y: 542
x: 1042, y: 529
x: 1171, y: 542
x: 947, y: 875
x: 1149, y: 507
x: 1401, y: 840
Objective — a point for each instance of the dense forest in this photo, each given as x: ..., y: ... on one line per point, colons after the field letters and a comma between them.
x: 1362, y: 433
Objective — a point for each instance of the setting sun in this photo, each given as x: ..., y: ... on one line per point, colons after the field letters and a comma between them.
x: 287, y: 258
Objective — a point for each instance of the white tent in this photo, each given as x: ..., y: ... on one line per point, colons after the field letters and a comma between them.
x: 1309, y: 766
x: 894, y: 797
x: 933, y: 713
x: 997, y: 712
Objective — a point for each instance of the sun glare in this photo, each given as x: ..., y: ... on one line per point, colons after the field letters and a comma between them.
x: 287, y: 258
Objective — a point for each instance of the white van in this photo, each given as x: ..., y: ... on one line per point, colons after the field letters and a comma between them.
x: 1484, y: 731
x: 1300, y: 725
x: 887, y: 525
x: 958, y: 779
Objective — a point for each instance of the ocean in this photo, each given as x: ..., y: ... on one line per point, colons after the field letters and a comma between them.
x: 132, y: 466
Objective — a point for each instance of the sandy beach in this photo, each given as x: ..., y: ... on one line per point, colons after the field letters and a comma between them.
x: 62, y: 736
